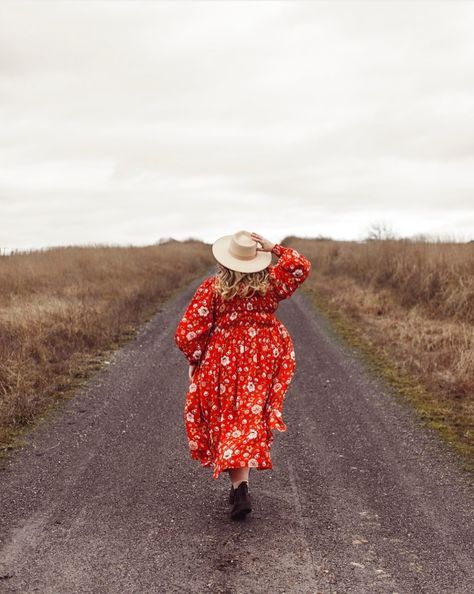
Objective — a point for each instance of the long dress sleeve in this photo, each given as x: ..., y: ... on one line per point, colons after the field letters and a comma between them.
x: 194, y: 328
x: 289, y: 272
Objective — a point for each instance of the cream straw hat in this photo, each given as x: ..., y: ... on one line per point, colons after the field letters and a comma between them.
x: 239, y: 252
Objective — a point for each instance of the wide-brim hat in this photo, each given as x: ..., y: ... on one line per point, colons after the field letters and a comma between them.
x: 239, y: 252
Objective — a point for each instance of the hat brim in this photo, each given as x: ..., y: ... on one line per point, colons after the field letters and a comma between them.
x: 220, y: 251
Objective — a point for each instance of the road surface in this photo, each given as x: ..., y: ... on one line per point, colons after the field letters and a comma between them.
x: 104, y: 498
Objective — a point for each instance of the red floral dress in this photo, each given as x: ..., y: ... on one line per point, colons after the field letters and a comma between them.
x: 245, y: 362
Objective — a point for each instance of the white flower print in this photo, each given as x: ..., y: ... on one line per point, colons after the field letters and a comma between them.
x: 236, y: 433
x: 251, y: 387
x: 276, y: 352
x: 249, y: 306
x: 221, y: 388
x: 192, y: 387
x: 252, y: 462
x: 292, y: 355
x: 228, y: 453
x: 203, y: 311
x: 191, y: 335
x: 225, y: 360
x: 233, y: 315
x: 193, y: 445
x: 197, y: 353
x: 256, y: 408
x: 298, y: 273
x: 190, y: 417
x: 252, y: 332
x: 277, y: 386
x: 252, y: 434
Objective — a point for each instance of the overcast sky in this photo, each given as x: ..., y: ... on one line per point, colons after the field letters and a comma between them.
x: 126, y: 122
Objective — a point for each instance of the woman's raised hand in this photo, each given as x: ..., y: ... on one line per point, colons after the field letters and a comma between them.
x: 266, y: 244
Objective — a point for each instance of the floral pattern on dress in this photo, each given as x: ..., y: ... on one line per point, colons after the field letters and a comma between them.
x: 245, y: 362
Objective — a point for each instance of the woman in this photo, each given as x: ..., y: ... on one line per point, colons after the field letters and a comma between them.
x: 241, y: 358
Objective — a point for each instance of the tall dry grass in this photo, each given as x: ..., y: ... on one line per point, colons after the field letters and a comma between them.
x: 414, y: 303
x: 60, y: 307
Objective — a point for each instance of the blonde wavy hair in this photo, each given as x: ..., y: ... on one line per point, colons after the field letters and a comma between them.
x: 230, y: 283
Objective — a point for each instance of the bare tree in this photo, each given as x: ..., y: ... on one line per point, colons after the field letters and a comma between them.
x: 379, y: 231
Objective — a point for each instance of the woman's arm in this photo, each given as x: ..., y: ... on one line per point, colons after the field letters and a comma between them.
x: 290, y: 271
x: 193, y: 330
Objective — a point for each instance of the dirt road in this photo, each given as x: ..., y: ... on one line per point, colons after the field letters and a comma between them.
x: 361, y: 499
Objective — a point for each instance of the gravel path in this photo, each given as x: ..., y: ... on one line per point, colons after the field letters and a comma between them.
x: 104, y: 498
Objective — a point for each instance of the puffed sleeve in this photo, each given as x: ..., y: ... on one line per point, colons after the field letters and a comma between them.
x: 195, y: 326
x: 289, y: 272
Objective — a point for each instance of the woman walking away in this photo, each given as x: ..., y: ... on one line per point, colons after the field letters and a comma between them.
x: 241, y: 358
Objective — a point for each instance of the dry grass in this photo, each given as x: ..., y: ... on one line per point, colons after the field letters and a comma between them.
x: 410, y: 306
x: 60, y: 309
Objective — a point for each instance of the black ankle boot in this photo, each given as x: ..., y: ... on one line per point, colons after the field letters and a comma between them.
x: 242, y: 505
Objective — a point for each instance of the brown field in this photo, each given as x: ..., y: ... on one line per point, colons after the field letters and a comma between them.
x: 62, y: 309
x: 410, y: 307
